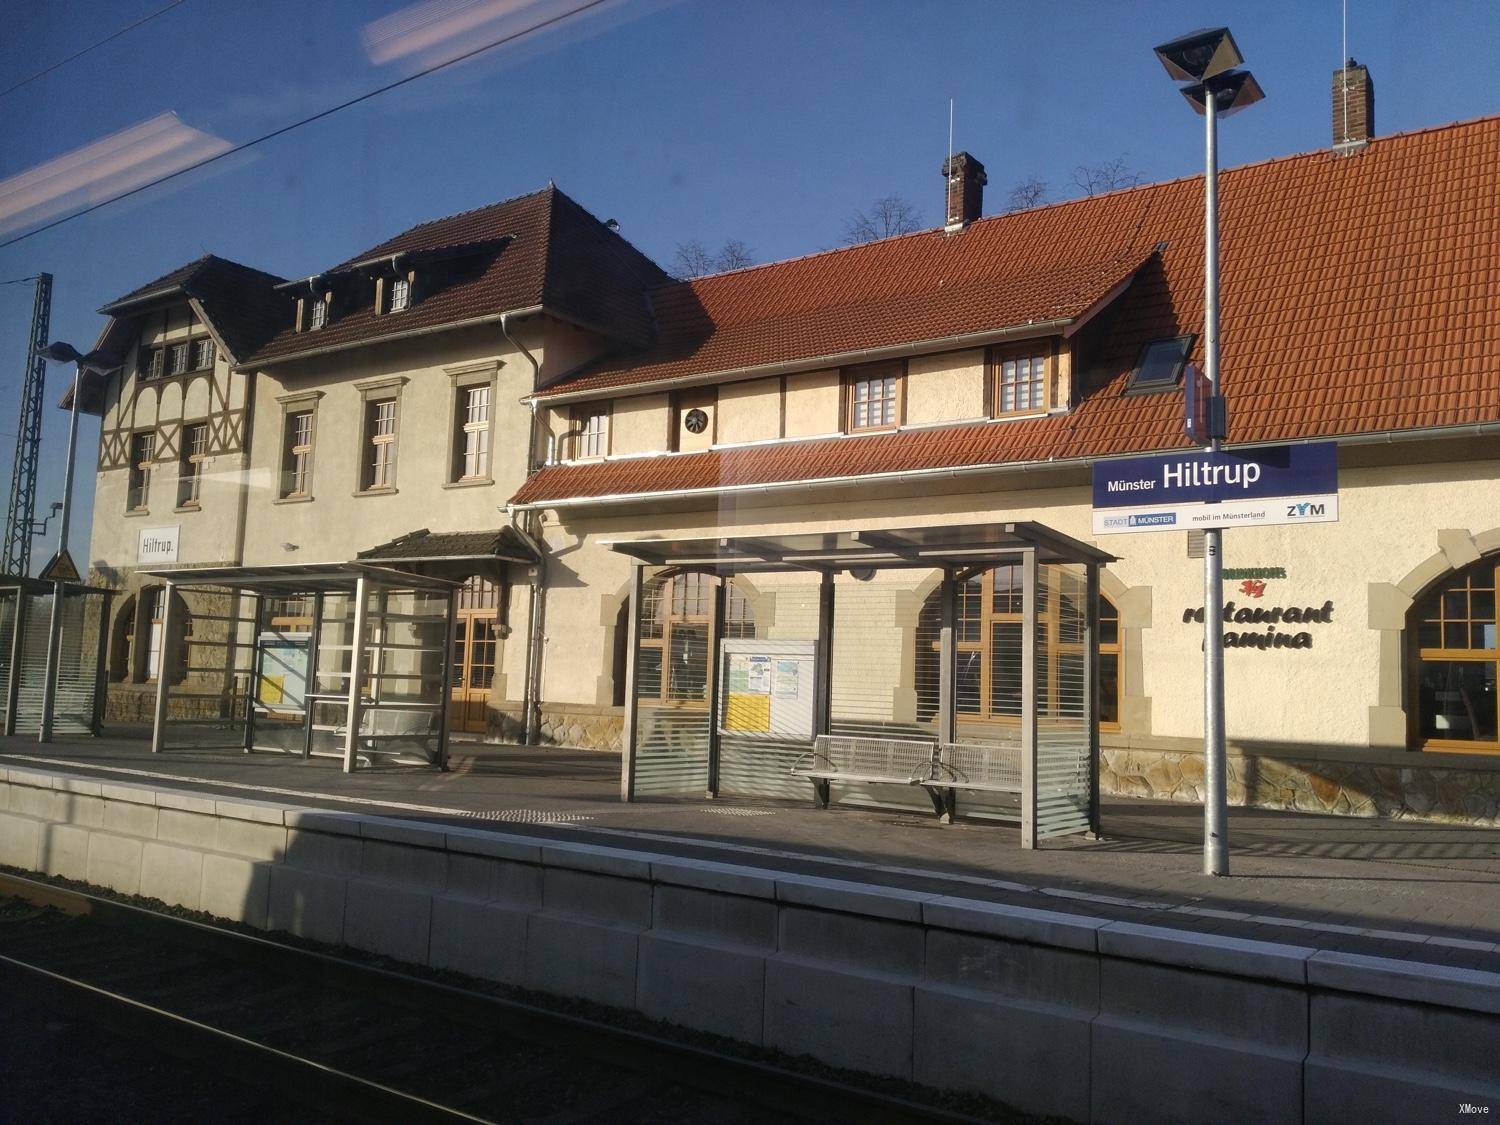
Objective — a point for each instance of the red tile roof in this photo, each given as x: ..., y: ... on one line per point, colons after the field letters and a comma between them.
x: 240, y: 301
x: 1359, y: 293
x: 541, y: 249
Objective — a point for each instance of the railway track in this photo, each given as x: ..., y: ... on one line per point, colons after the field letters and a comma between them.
x: 356, y: 1041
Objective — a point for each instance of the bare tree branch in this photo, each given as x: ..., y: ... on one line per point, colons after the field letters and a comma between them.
x: 886, y: 218
x: 693, y: 259
x: 1107, y: 175
x: 734, y: 255
x: 1028, y: 193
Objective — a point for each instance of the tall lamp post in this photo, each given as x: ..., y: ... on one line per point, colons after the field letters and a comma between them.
x: 59, y: 352
x: 1207, y: 60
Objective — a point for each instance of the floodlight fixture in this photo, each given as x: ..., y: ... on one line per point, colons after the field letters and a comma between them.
x: 1233, y: 91
x: 1200, y: 54
x: 59, y: 352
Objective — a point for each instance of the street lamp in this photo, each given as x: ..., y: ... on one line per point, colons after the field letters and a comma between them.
x: 1206, y: 59
x: 59, y: 352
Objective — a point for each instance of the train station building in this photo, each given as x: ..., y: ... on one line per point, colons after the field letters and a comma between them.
x: 516, y: 401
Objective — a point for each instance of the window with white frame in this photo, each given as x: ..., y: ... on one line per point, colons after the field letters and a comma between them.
x: 317, y: 316
x: 874, y: 396
x: 1020, y: 377
x: 177, y: 358
x: 190, y: 464
x: 400, y: 294
x: 203, y: 354
x: 380, y: 444
x: 156, y: 619
x: 296, y: 455
x: 591, y: 430
x: 471, y: 460
x: 142, y: 453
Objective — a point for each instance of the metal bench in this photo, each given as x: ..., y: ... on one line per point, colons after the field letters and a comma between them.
x: 395, y: 731
x: 887, y: 761
x: 987, y: 767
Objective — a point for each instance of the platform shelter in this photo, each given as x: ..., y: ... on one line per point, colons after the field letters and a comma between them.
x: 25, y: 620
x: 270, y: 662
x: 952, y: 665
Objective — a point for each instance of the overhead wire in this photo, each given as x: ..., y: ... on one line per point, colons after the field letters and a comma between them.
x: 91, y: 47
x: 284, y: 129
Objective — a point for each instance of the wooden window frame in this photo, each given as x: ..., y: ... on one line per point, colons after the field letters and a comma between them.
x: 138, y: 484
x: 406, y: 303
x: 1417, y: 653
x: 378, y: 470
x: 374, y: 394
x: 739, y: 616
x: 1115, y: 649
x: 867, y: 372
x: 579, y: 433
x: 297, y: 454
x: 982, y: 643
x: 190, y: 461
x: 995, y: 360
x: 466, y: 380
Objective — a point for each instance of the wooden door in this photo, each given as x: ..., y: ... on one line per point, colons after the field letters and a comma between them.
x: 475, y: 649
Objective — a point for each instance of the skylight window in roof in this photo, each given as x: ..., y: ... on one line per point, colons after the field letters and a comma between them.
x: 1160, y: 365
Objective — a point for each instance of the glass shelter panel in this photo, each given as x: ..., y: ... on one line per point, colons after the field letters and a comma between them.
x: 887, y: 634
x: 673, y: 716
x: 756, y: 754
x: 1063, y: 704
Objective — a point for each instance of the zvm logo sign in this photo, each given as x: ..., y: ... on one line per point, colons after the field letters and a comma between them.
x: 1304, y: 510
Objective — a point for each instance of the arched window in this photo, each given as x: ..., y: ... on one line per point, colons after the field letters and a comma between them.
x: 138, y: 641
x: 676, y: 623
x: 1109, y: 664
x: 1454, y: 659
x: 987, y: 637
x: 121, y: 642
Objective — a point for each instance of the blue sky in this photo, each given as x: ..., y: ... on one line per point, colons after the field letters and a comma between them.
x: 765, y: 121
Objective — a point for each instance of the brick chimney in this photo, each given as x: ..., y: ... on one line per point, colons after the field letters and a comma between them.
x: 1353, y: 107
x: 966, y: 180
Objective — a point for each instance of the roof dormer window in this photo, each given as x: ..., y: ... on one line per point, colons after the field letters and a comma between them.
x: 1160, y: 365
x: 400, y: 294
x: 318, y: 317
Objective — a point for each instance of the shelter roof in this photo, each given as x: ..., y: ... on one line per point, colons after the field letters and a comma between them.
x: 842, y: 550
x: 300, y: 578
x: 505, y: 544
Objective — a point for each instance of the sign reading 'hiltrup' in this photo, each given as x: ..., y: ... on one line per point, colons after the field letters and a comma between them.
x: 1202, y: 489
x: 157, y: 545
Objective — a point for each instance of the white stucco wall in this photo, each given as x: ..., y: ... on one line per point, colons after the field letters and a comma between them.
x: 1390, y: 523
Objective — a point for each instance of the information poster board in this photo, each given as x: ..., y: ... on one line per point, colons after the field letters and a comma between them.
x: 766, y: 688
x: 281, y: 684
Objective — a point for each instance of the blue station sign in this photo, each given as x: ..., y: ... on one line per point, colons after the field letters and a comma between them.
x: 1195, y: 490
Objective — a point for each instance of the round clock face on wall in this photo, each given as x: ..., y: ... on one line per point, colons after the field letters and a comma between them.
x: 695, y: 420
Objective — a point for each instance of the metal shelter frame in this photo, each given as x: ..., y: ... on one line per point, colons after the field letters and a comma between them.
x: 956, y: 551
x: 356, y: 580
x: 22, y: 590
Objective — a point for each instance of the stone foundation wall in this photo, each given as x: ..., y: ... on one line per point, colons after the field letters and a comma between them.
x: 133, y: 704
x: 1414, y: 790
x: 578, y: 726
x: 1057, y: 1014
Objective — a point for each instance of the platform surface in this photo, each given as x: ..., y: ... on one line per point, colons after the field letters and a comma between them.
x: 1387, y: 888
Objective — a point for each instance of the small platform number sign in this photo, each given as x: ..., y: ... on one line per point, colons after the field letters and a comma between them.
x: 1195, y: 490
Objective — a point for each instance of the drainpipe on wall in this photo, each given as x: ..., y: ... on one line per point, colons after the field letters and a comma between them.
x: 531, y: 701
